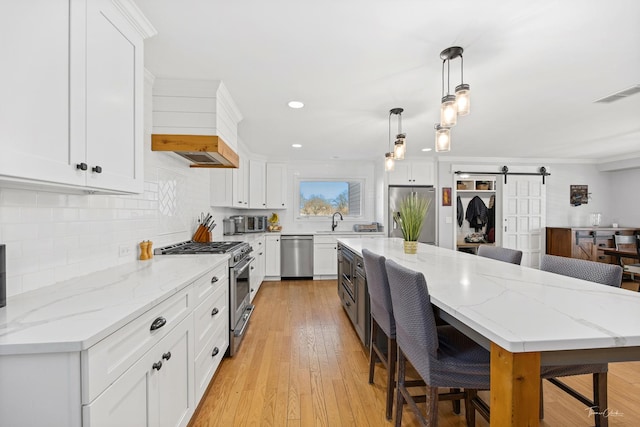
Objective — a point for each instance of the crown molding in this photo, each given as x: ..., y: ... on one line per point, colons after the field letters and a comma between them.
x: 135, y: 17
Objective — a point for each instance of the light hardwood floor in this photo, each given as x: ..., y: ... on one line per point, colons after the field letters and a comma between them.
x: 302, y: 364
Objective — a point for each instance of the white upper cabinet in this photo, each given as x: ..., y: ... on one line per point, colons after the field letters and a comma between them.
x: 72, y: 114
x: 257, y: 184
x: 276, y: 191
x: 412, y: 172
x: 241, y: 184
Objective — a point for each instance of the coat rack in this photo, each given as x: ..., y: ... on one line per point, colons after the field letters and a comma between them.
x: 505, y: 171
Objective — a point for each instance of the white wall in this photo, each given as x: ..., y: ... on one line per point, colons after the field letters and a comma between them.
x: 52, y: 236
x: 624, y: 196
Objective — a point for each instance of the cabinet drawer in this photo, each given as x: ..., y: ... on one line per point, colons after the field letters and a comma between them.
x: 210, y: 314
x: 109, y: 358
x: 206, y: 362
x: 211, y: 281
x: 325, y: 239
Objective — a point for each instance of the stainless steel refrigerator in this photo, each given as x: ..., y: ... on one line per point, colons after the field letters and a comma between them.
x: 396, y: 194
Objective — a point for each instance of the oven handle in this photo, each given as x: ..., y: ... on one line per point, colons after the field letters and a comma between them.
x: 238, y: 270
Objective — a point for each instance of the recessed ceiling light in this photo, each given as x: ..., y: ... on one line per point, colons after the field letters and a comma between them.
x: 296, y: 145
x: 426, y: 149
x: 295, y: 104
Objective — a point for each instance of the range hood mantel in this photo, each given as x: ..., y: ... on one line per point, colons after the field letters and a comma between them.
x: 204, y: 151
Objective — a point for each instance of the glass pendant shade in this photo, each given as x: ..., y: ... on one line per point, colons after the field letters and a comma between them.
x: 400, y: 147
x: 389, y: 164
x: 443, y: 139
x: 463, y: 99
x: 448, y: 111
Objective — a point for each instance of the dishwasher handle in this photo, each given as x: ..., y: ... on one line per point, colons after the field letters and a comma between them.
x: 296, y: 237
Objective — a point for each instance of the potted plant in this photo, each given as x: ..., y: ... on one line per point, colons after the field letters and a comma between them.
x: 412, y: 211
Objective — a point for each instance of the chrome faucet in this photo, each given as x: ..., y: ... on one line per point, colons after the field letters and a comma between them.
x: 334, y: 224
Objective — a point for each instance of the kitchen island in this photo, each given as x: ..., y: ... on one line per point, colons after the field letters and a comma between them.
x: 524, y: 316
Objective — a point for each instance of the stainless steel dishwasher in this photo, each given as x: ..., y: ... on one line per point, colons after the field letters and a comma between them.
x: 296, y: 256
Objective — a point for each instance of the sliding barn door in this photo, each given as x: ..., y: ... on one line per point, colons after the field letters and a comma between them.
x: 524, y: 217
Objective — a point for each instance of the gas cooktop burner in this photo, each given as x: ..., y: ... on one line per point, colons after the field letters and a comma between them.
x: 199, y: 248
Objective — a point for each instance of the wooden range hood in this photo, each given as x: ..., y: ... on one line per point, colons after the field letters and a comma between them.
x: 204, y: 151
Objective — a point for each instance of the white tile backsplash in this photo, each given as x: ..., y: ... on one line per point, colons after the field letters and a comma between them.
x: 53, y: 236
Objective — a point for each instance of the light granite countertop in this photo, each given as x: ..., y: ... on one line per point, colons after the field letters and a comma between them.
x: 75, y: 314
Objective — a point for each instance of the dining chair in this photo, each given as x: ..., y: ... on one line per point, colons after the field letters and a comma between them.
x: 605, y: 274
x: 512, y: 256
x: 441, y: 355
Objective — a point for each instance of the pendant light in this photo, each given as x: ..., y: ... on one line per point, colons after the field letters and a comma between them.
x: 389, y: 164
x: 399, y: 147
x: 443, y: 138
x: 451, y: 106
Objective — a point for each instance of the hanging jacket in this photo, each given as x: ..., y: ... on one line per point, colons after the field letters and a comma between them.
x: 476, y: 213
x: 460, y: 211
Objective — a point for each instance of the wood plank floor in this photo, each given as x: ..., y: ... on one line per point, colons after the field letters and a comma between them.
x: 302, y: 364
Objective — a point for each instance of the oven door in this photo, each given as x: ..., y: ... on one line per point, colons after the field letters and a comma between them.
x: 241, y: 309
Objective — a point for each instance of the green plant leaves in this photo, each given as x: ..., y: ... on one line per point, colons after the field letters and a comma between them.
x: 412, y: 211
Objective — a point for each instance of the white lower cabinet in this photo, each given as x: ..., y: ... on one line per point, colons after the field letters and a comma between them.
x: 325, y: 256
x: 272, y: 256
x: 152, y: 371
x: 156, y: 391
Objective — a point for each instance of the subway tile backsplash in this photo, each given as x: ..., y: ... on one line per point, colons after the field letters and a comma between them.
x: 52, y: 237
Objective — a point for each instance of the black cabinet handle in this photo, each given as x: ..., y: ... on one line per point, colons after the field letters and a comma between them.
x: 167, y: 355
x: 214, y: 279
x: 348, y: 304
x: 158, y: 323
x: 158, y: 365
x: 252, y: 267
x: 215, y: 311
x: 81, y: 166
x: 96, y: 169
x: 215, y: 352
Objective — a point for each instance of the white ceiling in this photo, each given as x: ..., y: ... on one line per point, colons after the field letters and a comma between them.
x: 535, y: 69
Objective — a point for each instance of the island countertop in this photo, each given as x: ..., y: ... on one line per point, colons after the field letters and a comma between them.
x: 75, y: 314
x: 519, y: 308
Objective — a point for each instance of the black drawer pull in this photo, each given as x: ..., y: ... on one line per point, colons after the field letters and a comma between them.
x: 215, y: 311
x: 96, y: 169
x: 158, y: 365
x: 348, y: 304
x: 81, y: 166
x: 214, y: 279
x: 167, y: 355
x: 215, y: 352
x: 158, y: 323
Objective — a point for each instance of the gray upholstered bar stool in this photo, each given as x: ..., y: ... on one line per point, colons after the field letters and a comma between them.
x: 382, y: 320
x: 442, y: 355
x: 605, y: 274
x: 512, y: 256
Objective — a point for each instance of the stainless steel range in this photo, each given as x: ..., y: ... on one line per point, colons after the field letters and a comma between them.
x: 239, y: 288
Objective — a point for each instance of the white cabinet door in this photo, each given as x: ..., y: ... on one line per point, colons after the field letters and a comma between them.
x: 276, y: 191
x: 35, y: 122
x: 257, y: 184
x: 114, y: 97
x: 221, y: 188
x: 241, y: 184
x: 258, y: 266
x: 272, y: 256
x: 401, y: 174
x: 422, y: 173
x: 176, y: 378
x: 325, y: 259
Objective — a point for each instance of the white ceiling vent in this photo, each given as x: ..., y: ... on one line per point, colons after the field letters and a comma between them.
x: 620, y: 94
